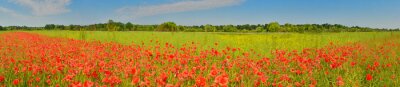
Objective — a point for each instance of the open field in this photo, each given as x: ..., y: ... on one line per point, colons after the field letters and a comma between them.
x: 263, y: 43
x: 199, y: 43
x: 49, y: 58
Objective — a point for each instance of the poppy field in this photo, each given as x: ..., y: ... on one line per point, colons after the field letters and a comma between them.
x: 40, y: 59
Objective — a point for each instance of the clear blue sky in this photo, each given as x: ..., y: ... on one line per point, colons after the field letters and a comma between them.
x: 369, y: 13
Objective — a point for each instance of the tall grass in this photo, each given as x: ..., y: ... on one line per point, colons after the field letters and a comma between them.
x: 259, y: 42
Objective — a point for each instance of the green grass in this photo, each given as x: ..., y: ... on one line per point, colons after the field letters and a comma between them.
x: 265, y: 42
x: 259, y: 42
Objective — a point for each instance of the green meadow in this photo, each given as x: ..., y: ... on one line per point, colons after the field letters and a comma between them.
x: 259, y: 42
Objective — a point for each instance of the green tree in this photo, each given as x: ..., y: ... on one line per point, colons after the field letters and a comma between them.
x: 129, y: 26
x: 288, y: 27
x: 302, y: 29
x: 273, y: 27
x: 181, y: 28
x: 49, y: 26
x: 1, y: 28
x: 92, y: 27
x: 111, y: 26
x: 61, y: 27
x: 167, y: 26
x: 101, y: 27
x: 209, y: 28
x: 120, y: 26
x: 229, y: 28
x: 260, y: 29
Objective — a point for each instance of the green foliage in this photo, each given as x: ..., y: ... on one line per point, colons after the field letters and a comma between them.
x: 92, y: 28
x: 171, y: 26
x: 260, y: 29
x: 209, y: 28
x: 1, y: 28
x: 50, y: 26
x: 112, y: 26
x: 129, y: 26
x: 288, y: 27
x: 167, y: 26
x: 230, y: 28
x: 273, y: 27
x: 54, y: 27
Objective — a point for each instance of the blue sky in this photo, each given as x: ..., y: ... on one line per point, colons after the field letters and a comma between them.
x: 369, y: 13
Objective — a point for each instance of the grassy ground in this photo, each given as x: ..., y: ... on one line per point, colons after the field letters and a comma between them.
x: 373, y: 60
x: 263, y: 43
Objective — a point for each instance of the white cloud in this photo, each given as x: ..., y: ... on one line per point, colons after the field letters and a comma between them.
x: 10, y: 17
x: 181, y: 6
x: 11, y: 13
x: 45, y: 7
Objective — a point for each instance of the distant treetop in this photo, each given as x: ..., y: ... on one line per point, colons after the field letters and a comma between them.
x: 173, y: 27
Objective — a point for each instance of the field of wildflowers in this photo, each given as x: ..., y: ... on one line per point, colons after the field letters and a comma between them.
x: 262, y: 43
x: 30, y: 59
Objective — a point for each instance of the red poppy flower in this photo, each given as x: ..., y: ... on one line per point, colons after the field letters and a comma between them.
x: 213, y: 73
x: 48, y: 81
x: 76, y: 84
x: 88, y: 84
x: 222, y: 80
x: 1, y: 78
x: 201, y: 81
x: 339, y: 81
x: 16, y: 82
x: 369, y: 77
x: 135, y: 80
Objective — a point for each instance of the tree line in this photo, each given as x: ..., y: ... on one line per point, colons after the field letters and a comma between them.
x: 173, y: 27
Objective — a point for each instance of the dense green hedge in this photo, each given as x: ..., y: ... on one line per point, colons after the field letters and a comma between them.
x: 171, y: 26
